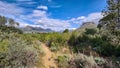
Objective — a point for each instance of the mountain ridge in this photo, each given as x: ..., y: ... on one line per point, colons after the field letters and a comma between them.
x: 31, y: 29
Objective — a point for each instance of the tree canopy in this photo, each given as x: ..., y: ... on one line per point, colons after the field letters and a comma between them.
x: 111, y: 19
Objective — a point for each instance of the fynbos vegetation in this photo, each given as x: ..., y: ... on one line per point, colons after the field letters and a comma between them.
x: 90, y: 46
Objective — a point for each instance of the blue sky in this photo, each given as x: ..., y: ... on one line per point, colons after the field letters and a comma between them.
x: 53, y: 14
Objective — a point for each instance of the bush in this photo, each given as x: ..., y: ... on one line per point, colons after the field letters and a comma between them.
x: 54, y: 47
x: 19, y: 54
x: 63, y: 62
x: 72, y: 40
x: 66, y: 31
x: 82, y: 61
x: 117, y: 50
x: 8, y: 29
x: 100, y: 43
x: 90, y: 31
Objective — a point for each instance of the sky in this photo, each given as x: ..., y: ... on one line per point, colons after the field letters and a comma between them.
x: 53, y: 14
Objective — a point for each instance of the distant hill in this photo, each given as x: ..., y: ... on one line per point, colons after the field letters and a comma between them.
x: 30, y: 29
x: 86, y: 25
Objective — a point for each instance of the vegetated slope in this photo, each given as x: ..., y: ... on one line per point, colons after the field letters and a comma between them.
x: 85, y: 25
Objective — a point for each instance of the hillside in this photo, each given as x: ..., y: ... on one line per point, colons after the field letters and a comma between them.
x: 86, y: 25
x: 30, y: 29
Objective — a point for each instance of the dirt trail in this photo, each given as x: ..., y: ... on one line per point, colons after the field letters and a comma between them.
x: 47, y: 60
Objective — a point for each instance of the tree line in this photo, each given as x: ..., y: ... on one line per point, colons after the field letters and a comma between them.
x: 111, y: 19
x: 9, y: 25
x: 4, y: 21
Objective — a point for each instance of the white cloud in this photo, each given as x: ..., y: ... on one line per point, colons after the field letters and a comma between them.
x: 81, y: 18
x: 93, y: 17
x: 44, y: 21
x: 40, y: 18
x: 72, y: 28
x: 10, y: 9
x: 39, y: 13
x: 43, y: 7
x: 53, y: 22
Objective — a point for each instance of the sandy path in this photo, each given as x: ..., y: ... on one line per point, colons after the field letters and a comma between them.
x: 47, y: 60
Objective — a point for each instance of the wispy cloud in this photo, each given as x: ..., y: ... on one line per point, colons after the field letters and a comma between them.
x: 40, y: 17
x: 42, y: 7
x: 10, y: 9
x: 39, y: 13
x: 92, y: 17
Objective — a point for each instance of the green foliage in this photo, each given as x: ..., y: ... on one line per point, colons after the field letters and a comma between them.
x: 117, y: 50
x: 27, y: 37
x: 99, y: 60
x: 3, y: 46
x: 90, y: 31
x: 63, y: 62
x: 83, y: 61
x: 3, y: 20
x: 54, y: 46
x: 8, y: 29
x: 17, y: 53
x: 72, y: 40
x: 111, y: 16
x: 9, y: 25
x: 66, y: 31
x: 105, y: 44
x: 8, y: 21
x: 62, y: 58
x: 53, y: 40
x: 11, y: 22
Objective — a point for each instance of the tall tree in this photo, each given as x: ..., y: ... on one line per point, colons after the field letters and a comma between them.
x: 17, y: 24
x: 11, y: 22
x: 3, y: 20
x: 111, y: 19
x: 66, y: 31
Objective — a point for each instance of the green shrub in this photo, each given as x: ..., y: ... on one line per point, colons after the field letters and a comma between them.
x: 63, y: 62
x: 90, y: 31
x: 3, y: 46
x: 62, y: 58
x: 54, y: 46
x: 66, y: 31
x: 99, y: 60
x: 83, y: 61
x: 72, y: 40
x: 100, y: 43
x: 19, y: 54
x: 8, y: 29
x: 117, y: 50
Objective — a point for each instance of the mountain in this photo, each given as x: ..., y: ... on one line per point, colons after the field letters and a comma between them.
x: 31, y: 29
x: 86, y: 25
